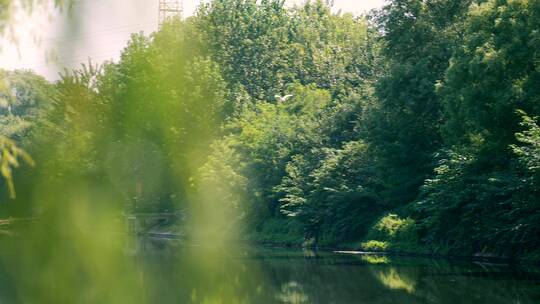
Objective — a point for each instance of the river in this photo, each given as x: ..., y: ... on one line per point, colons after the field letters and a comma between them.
x: 170, y: 271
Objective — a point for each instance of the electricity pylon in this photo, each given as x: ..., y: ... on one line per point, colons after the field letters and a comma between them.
x: 169, y: 9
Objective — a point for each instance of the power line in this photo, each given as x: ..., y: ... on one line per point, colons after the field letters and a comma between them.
x: 167, y: 9
x: 117, y: 44
x: 110, y: 31
x: 65, y: 62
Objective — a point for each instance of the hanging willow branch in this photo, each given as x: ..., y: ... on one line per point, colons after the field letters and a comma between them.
x: 10, y: 154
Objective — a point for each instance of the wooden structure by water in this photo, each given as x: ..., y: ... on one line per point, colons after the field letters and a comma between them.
x: 137, y: 223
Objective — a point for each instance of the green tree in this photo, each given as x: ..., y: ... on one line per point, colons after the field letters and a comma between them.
x: 24, y: 99
x: 483, y: 197
x: 250, y: 40
x: 334, y: 196
x: 492, y: 75
x: 167, y: 100
x: 264, y: 47
x: 528, y: 150
x: 405, y: 119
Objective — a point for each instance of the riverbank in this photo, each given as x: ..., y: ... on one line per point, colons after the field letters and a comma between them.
x: 356, y: 251
x: 392, y: 238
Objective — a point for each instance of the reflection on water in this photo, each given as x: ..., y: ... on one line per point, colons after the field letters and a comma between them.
x: 375, y: 259
x: 168, y: 271
x: 390, y: 277
x: 292, y: 292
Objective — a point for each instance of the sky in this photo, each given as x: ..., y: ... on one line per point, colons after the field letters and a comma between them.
x: 47, y: 41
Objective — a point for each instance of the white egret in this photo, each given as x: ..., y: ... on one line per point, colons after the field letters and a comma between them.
x: 283, y: 98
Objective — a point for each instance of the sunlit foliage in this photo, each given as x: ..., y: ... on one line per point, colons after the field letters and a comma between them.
x: 10, y: 156
x: 9, y: 7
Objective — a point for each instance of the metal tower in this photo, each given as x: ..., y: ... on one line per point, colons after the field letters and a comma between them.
x: 169, y: 9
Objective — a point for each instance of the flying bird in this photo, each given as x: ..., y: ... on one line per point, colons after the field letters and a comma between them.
x: 283, y: 98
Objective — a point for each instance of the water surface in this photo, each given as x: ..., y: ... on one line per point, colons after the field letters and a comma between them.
x: 169, y: 271
x: 270, y: 275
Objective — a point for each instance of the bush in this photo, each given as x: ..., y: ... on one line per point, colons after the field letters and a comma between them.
x: 392, y: 233
x: 375, y: 245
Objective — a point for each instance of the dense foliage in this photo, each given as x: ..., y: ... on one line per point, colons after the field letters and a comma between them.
x: 412, y: 128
